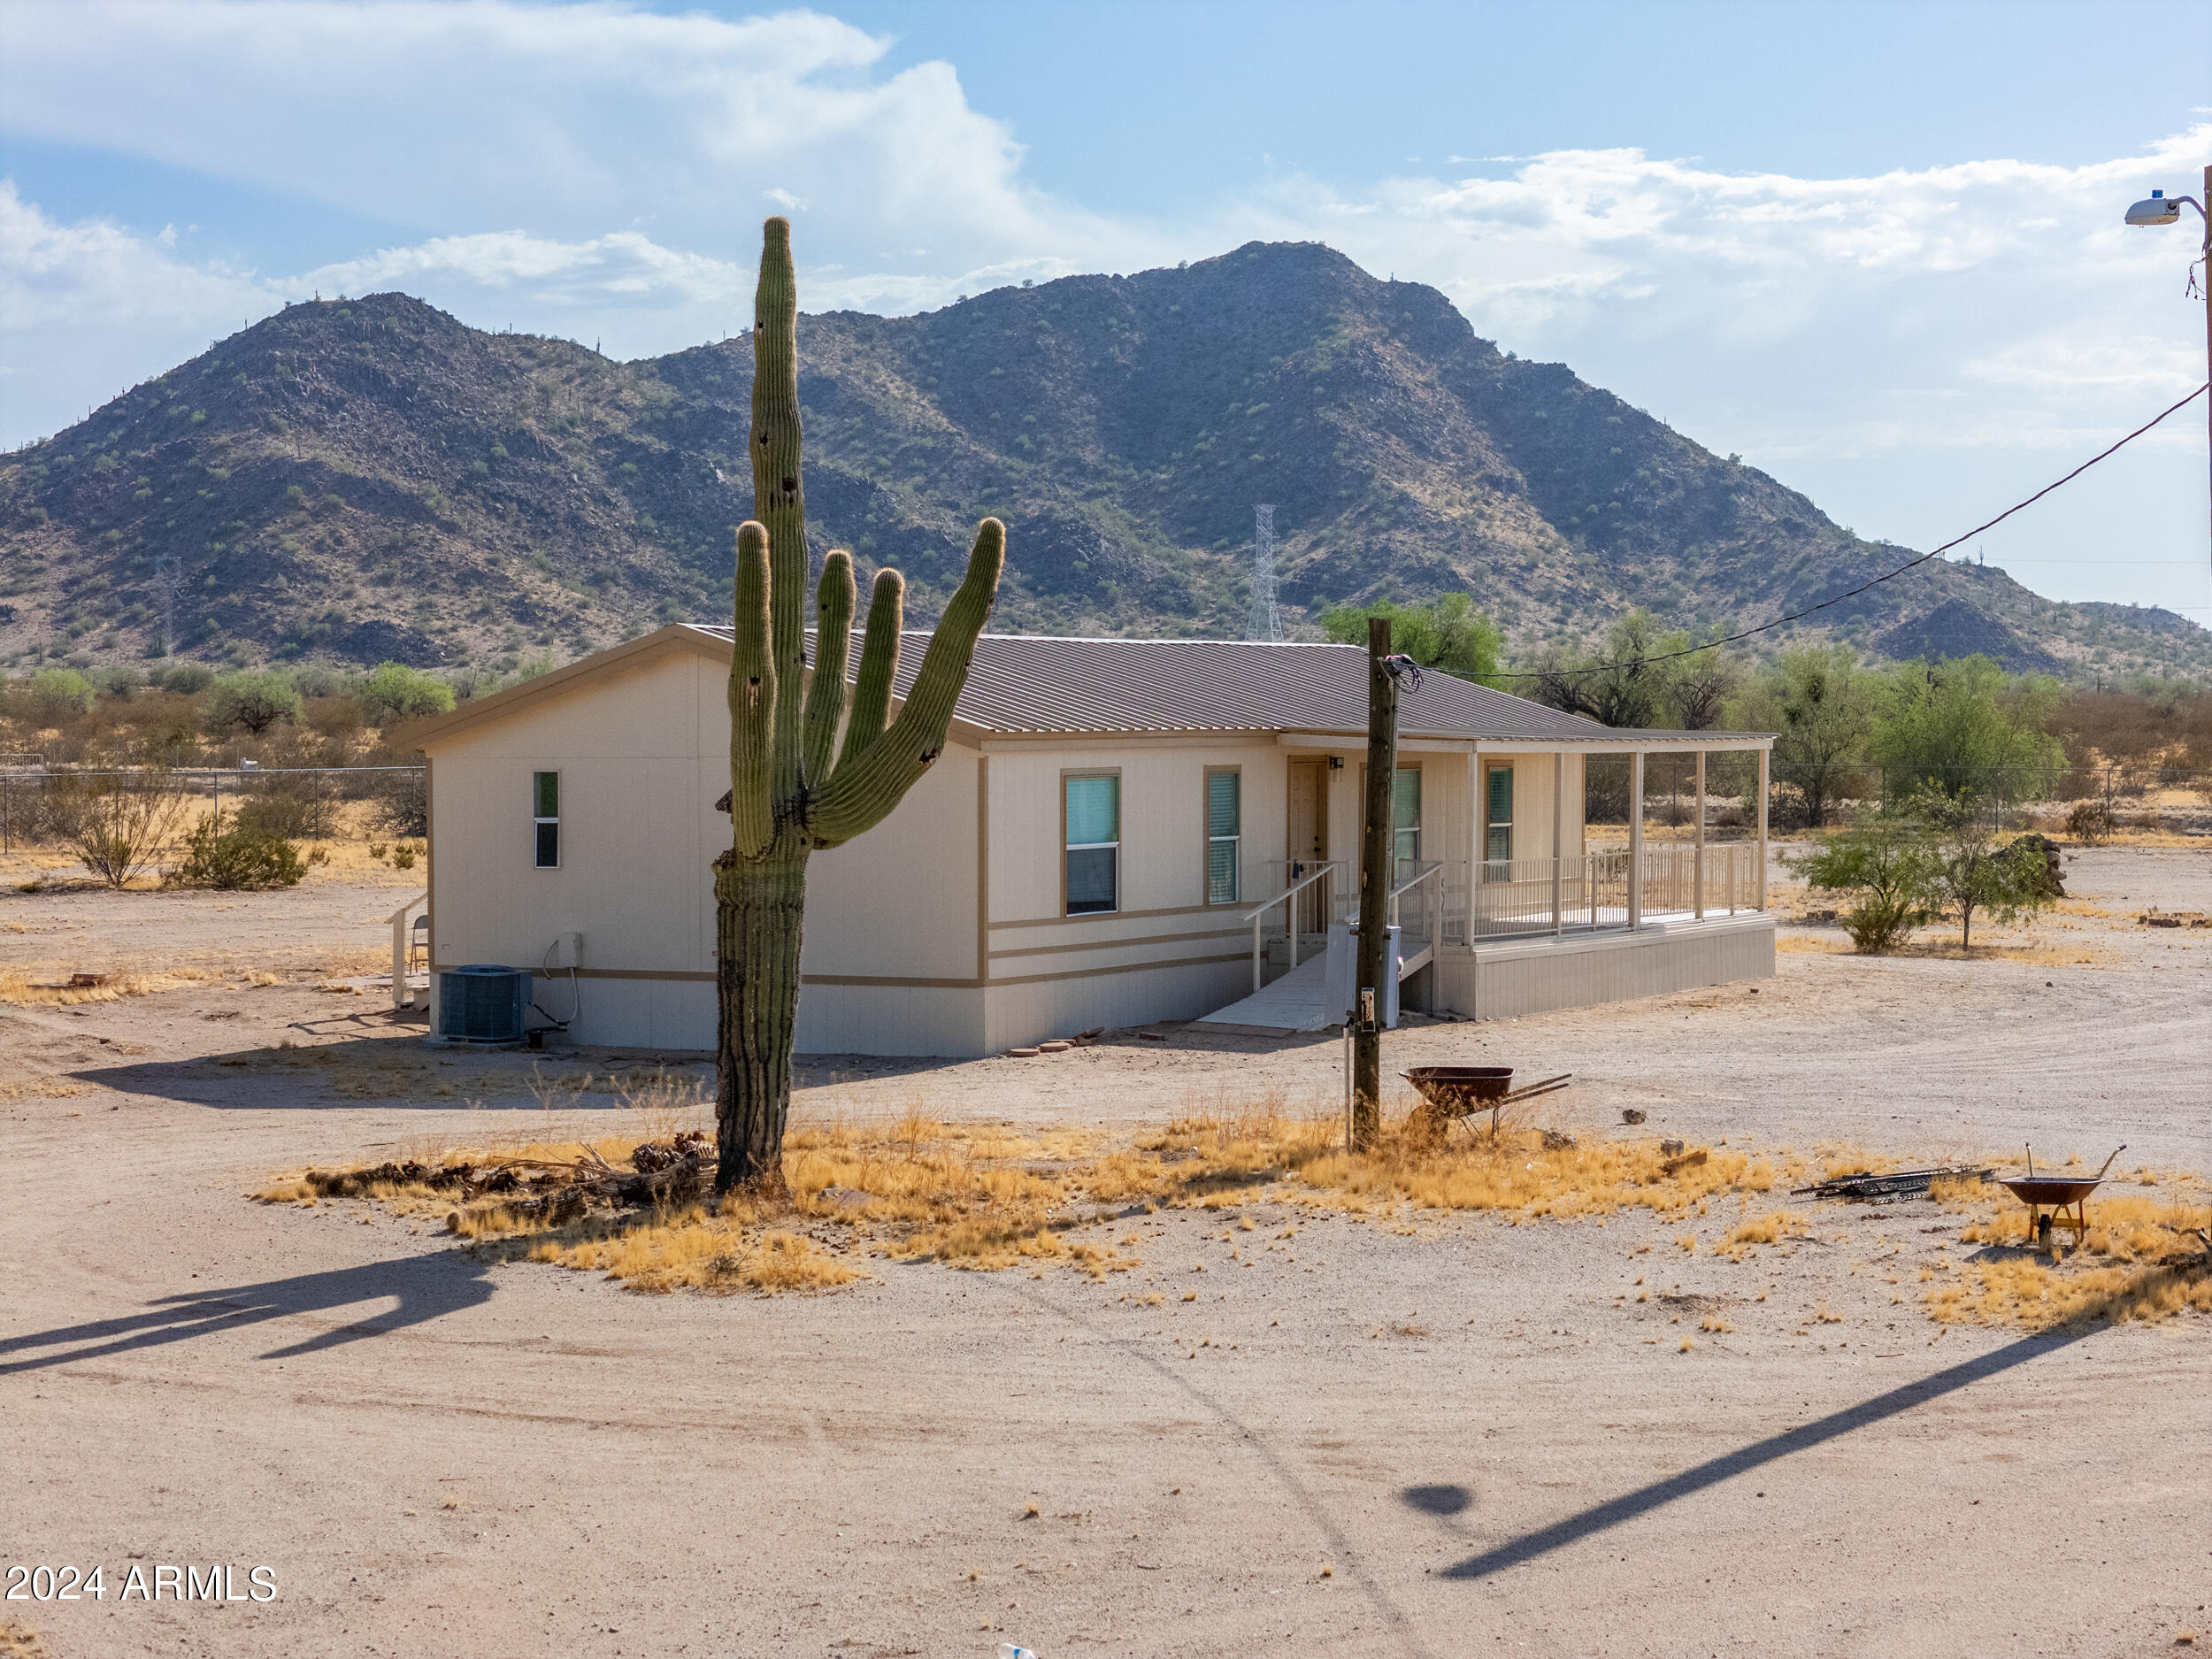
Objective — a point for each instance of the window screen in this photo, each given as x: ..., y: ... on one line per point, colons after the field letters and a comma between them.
x: 1225, y: 834
x: 1094, y: 845
x: 1405, y: 815
x: 1498, y: 845
x: 545, y: 807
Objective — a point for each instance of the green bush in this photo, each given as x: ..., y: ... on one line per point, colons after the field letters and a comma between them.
x: 187, y: 680
x: 254, y: 700
x: 56, y: 694
x: 240, y: 857
x: 1887, y: 864
x: 395, y: 692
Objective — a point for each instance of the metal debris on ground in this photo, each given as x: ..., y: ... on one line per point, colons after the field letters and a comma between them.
x: 1869, y: 1187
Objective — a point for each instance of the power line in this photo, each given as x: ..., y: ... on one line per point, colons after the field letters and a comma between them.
x: 1837, y: 599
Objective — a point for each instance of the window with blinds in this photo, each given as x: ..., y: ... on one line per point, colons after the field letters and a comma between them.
x: 1405, y: 818
x: 1225, y: 834
x: 1498, y: 838
x: 1092, y: 816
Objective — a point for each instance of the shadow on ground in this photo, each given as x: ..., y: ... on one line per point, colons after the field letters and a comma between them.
x: 425, y: 1287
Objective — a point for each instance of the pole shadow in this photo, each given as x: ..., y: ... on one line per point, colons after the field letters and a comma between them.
x: 1630, y: 1505
x: 425, y: 1288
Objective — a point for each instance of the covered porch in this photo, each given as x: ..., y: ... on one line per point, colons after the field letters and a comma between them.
x: 1508, y: 897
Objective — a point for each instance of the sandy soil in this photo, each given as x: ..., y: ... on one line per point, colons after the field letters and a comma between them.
x: 1455, y: 1440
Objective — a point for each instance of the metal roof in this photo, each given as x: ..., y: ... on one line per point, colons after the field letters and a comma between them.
x: 1025, y: 683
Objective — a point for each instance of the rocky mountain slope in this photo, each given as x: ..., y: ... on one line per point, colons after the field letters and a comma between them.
x: 368, y: 478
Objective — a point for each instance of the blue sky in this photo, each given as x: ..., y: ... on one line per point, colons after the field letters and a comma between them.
x: 1874, y: 249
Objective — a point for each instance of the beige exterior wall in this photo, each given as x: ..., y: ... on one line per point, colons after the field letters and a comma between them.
x: 638, y: 758
x: 642, y: 752
x: 1164, y: 953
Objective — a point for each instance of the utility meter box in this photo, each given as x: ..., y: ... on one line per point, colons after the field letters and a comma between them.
x: 1343, y: 974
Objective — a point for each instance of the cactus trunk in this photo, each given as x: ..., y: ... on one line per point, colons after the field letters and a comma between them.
x: 760, y: 908
x: 794, y: 786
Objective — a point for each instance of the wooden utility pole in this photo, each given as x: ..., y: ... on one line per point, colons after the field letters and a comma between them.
x: 1375, y: 873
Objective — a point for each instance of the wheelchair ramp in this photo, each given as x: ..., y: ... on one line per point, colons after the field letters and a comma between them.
x: 1294, y: 1003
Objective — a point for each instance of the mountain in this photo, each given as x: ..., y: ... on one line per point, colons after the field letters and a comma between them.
x: 368, y: 478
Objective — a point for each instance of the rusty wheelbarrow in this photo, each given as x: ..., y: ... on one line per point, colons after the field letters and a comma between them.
x: 1455, y: 1091
x: 2049, y: 1198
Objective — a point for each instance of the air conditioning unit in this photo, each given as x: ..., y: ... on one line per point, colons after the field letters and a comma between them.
x: 482, y: 1004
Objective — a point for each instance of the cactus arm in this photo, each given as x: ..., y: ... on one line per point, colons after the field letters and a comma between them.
x: 778, y: 496
x: 752, y: 699
x: 832, y: 643
x: 879, y: 663
x: 872, y: 783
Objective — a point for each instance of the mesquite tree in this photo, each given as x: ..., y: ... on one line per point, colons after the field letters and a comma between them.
x: 798, y: 783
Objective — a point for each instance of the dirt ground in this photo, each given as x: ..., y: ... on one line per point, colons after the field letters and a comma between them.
x: 1460, y: 1437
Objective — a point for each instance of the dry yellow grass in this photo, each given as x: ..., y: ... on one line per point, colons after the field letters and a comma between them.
x: 46, y: 987
x: 983, y: 1197
x: 2141, y: 1258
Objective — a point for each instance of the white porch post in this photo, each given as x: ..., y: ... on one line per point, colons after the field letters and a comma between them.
x: 1761, y: 877
x: 1558, y: 845
x: 1636, y: 838
x: 1697, y: 875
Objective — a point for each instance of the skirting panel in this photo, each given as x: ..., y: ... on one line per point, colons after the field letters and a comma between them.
x: 1024, y: 1014
x: 937, y: 1021
x: 1504, y: 981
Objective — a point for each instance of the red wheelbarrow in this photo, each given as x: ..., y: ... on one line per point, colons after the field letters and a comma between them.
x: 2049, y: 1197
x: 1456, y: 1091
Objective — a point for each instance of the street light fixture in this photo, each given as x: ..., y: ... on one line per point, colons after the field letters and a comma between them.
x: 2161, y: 209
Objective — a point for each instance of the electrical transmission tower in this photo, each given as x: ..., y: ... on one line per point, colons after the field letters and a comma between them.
x: 1267, y: 619
x: 168, y: 573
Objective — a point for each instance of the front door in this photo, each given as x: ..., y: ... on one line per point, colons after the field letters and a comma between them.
x: 1308, y: 839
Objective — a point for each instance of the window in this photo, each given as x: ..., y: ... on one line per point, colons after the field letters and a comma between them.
x: 545, y: 806
x: 1499, y: 844
x: 1225, y: 834
x: 1405, y: 818
x: 1092, y: 814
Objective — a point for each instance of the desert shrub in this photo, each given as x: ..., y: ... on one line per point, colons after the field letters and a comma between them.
x: 252, y: 701
x: 395, y: 691
x: 319, y: 680
x: 2091, y: 822
x: 1974, y: 872
x: 404, y: 856
x: 1886, y: 862
x: 403, y: 804
x: 121, y: 825
x: 240, y: 857
x: 56, y: 694
x: 186, y: 680
x: 290, y: 813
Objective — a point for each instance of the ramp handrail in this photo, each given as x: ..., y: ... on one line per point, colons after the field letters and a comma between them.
x: 1322, y: 871
x: 400, y: 994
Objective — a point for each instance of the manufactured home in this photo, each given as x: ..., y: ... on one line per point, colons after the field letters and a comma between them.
x: 1118, y: 832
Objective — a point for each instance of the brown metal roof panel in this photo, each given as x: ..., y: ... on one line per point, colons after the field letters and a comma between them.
x: 1022, y: 683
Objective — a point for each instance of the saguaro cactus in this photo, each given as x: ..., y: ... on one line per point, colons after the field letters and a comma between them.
x: 795, y: 786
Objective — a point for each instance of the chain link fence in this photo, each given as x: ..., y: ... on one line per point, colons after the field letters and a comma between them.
x: 43, y: 807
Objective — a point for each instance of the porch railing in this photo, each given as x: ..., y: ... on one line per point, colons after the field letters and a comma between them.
x: 1308, y: 895
x: 1527, y: 897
